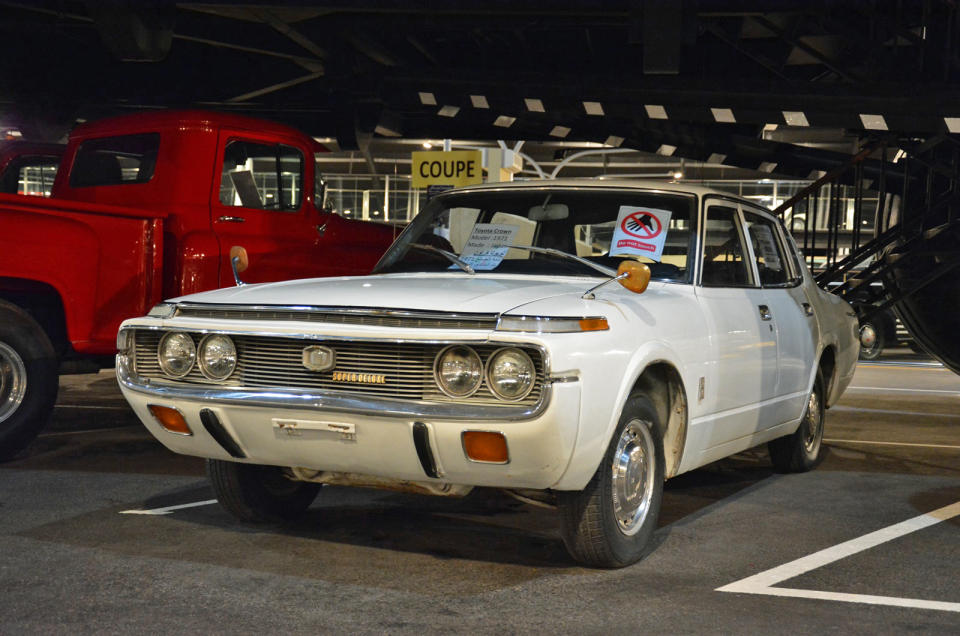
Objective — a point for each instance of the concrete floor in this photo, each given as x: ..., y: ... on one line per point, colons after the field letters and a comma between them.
x: 372, y: 562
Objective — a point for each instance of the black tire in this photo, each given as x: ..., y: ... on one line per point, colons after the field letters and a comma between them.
x: 28, y: 379
x: 259, y: 494
x: 589, y: 519
x: 801, y: 451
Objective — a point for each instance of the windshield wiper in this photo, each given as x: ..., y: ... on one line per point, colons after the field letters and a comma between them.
x: 453, y: 258
x: 606, y: 271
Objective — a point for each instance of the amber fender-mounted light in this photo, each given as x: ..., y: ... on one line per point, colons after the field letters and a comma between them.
x: 485, y: 446
x: 551, y: 324
x: 170, y: 419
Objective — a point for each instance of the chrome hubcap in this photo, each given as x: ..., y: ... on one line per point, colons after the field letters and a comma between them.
x: 13, y: 381
x: 868, y: 336
x: 634, y: 465
x: 813, y: 425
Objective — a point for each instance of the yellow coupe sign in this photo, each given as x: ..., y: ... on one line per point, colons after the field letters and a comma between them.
x: 456, y: 168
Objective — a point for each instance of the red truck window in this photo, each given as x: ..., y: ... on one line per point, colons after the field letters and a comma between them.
x: 261, y: 176
x: 115, y: 160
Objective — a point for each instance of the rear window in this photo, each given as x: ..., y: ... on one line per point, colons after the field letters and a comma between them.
x: 115, y: 160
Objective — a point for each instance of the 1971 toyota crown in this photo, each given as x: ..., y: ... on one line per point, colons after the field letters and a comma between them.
x: 574, y: 343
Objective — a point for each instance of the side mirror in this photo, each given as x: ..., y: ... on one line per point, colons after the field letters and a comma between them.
x: 635, y: 276
x: 239, y: 262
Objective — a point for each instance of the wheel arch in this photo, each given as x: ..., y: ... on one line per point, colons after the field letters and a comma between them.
x: 663, y: 384
x: 43, y: 303
x: 827, y: 365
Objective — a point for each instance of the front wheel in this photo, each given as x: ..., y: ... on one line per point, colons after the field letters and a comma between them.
x: 611, y: 521
x: 28, y: 379
x: 800, y: 451
x: 259, y: 494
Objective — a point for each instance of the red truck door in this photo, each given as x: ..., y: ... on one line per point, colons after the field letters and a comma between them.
x: 258, y: 202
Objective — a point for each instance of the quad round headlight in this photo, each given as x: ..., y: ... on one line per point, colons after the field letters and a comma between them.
x: 458, y: 371
x: 217, y: 356
x: 510, y: 374
x: 176, y: 354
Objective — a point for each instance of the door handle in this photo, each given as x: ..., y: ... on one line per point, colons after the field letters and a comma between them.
x: 322, y: 229
x: 807, y: 309
x: 232, y: 219
x: 765, y: 312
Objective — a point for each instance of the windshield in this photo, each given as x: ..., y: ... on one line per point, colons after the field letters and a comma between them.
x: 601, y: 226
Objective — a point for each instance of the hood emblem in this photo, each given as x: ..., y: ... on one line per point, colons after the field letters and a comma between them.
x: 317, y: 358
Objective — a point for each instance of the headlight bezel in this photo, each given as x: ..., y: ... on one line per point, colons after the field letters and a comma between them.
x: 201, y: 363
x: 436, y: 371
x: 489, y: 370
x: 160, y: 357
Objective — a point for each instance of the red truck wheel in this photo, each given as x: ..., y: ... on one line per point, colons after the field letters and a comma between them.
x: 28, y: 379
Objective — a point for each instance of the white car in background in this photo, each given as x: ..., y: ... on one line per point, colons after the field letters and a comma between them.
x: 509, y: 339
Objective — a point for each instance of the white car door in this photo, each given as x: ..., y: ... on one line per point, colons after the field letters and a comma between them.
x: 792, y: 315
x: 742, y: 386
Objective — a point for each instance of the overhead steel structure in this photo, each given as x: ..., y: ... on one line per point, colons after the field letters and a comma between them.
x: 703, y: 80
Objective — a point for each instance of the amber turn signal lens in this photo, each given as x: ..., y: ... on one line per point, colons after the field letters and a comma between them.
x: 481, y: 446
x: 594, y: 324
x: 170, y: 419
x: 638, y: 276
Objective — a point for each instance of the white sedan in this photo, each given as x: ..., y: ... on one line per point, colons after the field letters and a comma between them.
x: 573, y: 343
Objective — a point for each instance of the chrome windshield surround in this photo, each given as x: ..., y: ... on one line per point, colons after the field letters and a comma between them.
x: 373, y: 316
x: 328, y: 400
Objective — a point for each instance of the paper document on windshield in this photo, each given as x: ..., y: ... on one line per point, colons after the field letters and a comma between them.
x: 640, y: 232
x: 487, y: 245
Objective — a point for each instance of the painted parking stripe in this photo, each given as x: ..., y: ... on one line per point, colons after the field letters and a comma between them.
x: 859, y: 409
x: 861, y: 441
x: 764, y: 582
x: 888, y: 388
x: 168, y: 509
x: 92, y: 407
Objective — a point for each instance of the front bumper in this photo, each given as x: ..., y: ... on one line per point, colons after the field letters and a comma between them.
x: 381, y: 444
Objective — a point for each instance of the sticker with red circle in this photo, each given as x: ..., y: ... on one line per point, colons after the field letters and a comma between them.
x: 640, y: 232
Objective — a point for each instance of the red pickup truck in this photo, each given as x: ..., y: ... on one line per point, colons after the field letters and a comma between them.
x: 145, y: 207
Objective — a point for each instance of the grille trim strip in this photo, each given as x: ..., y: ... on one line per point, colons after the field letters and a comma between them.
x: 370, y: 316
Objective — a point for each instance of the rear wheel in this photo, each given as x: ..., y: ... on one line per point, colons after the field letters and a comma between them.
x: 259, y: 494
x: 800, y: 451
x: 28, y: 379
x: 610, y: 522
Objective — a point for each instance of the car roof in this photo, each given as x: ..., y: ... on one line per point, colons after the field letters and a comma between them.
x: 182, y: 119
x: 615, y: 184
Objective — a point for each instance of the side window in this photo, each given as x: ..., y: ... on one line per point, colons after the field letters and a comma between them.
x: 767, y: 250
x: 261, y: 176
x: 33, y: 175
x: 724, y: 263
x: 115, y: 160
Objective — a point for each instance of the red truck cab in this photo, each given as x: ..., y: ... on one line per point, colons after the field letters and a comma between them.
x: 148, y: 206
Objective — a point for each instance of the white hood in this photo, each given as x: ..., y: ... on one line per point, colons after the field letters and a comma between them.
x: 453, y: 292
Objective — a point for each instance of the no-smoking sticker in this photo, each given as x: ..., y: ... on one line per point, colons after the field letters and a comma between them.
x: 640, y: 232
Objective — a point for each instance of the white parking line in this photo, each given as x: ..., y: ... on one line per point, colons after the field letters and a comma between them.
x: 890, y: 388
x: 92, y: 407
x: 763, y: 582
x: 168, y: 509
x: 861, y: 441
x: 857, y: 409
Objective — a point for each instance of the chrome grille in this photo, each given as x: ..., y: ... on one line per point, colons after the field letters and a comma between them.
x: 277, y: 363
x: 370, y: 317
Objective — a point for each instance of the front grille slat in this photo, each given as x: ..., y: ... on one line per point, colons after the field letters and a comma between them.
x: 266, y: 362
